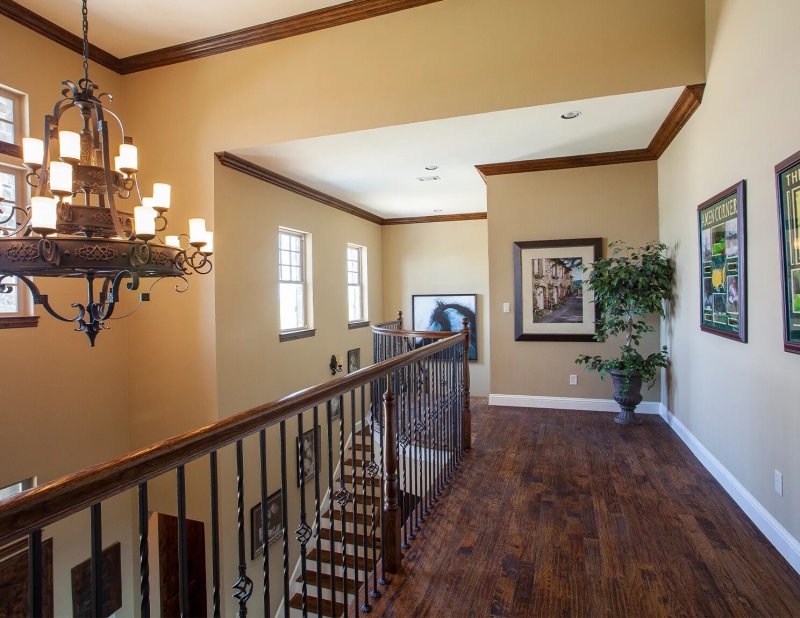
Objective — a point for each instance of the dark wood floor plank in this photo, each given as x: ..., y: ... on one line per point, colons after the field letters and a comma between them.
x: 564, y: 513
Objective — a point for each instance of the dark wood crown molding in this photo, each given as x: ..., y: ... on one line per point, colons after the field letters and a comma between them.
x: 328, y: 17
x: 256, y: 171
x: 48, y: 29
x: 467, y: 216
x: 679, y: 115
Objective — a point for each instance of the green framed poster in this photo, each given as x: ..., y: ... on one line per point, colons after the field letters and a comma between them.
x: 723, y: 256
x: 788, y: 186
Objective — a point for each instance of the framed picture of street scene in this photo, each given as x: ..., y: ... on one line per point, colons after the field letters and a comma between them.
x: 721, y: 224
x: 446, y: 312
x: 788, y: 186
x: 551, y: 302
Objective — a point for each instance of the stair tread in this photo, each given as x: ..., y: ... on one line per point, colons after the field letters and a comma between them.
x: 362, y: 516
x: 311, y: 605
x: 325, y: 556
x: 325, y: 533
x: 325, y: 581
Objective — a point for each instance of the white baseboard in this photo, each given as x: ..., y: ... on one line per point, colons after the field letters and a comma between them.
x: 569, y: 403
x: 784, y: 542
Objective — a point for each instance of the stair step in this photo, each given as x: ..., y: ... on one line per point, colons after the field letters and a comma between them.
x: 349, y: 517
x: 325, y: 556
x: 325, y: 533
x: 311, y: 605
x: 325, y: 580
x: 360, y: 480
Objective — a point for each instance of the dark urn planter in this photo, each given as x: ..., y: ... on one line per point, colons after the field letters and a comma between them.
x: 627, y: 398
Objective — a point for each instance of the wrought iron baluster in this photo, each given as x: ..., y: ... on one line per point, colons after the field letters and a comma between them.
x: 317, y: 512
x: 365, y: 607
x: 183, y: 559
x: 437, y: 400
x: 262, y: 453
x: 97, y: 560
x: 416, y: 403
x: 215, y: 575
x: 428, y: 446
x: 285, y: 515
x: 391, y: 538
x: 331, y: 509
x: 372, y: 471
x: 354, y: 467
x: 144, y: 552
x: 243, y: 585
x: 302, y: 532
x: 35, y: 574
x: 382, y: 437
x: 402, y: 441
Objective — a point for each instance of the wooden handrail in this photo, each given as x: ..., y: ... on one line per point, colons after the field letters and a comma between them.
x: 425, y: 334
x: 44, y: 505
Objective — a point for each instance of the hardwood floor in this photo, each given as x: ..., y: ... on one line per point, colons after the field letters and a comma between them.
x: 558, y: 513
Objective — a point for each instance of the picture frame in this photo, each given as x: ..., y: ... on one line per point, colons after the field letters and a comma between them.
x: 551, y: 302
x: 334, y: 407
x: 722, y: 242
x: 309, y: 464
x: 274, y: 524
x: 445, y: 313
x: 353, y: 360
x: 787, y: 181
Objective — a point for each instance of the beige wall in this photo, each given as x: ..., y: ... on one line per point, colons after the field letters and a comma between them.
x: 615, y: 202
x: 440, y: 258
x: 739, y: 400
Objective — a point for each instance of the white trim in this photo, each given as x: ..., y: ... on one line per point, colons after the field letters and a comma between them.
x: 569, y: 403
x: 784, y: 542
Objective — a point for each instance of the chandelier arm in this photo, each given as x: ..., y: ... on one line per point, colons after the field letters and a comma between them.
x: 103, y: 128
x: 110, y: 304
x: 42, y: 299
x: 146, y: 296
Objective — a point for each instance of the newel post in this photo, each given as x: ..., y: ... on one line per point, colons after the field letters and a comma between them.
x: 391, y: 504
x: 466, y: 417
x: 400, y: 319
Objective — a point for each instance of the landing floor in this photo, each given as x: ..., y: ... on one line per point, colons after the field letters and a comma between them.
x: 560, y: 513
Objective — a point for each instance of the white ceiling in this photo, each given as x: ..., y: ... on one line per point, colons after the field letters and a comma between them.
x: 377, y: 170
x: 128, y: 27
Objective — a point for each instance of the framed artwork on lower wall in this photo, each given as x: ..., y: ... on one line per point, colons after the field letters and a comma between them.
x: 551, y: 302
x: 446, y: 313
x: 788, y: 187
x: 274, y: 524
x: 721, y: 224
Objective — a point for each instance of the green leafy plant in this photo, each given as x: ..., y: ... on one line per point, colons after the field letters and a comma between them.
x: 629, y: 285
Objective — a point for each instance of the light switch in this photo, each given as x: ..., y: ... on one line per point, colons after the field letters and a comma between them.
x: 506, y: 307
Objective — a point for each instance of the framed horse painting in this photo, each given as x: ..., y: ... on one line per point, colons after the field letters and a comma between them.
x: 446, y: 312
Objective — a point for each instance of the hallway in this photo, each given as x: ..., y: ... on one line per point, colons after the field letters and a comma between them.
x: 564, y: 513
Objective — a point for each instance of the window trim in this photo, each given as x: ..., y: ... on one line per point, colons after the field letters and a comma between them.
x: 14, y: 149
x: 307, y: 330
x: 363, y: 320
x: 23, y: 317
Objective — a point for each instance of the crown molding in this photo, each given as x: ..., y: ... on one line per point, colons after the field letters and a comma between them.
x: 467, y: 216
x: 327, y: 17
x: 256, y: 171
x: 687, y: 103
x: 40, y: 25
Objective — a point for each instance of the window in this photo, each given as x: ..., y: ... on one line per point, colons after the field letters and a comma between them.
x: 17, y: 488
x: 356, y: 270
x: 11, y: 125
x: 15, y: 303
x: 292, y: 275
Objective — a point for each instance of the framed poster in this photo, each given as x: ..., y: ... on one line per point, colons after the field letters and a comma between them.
x: 446, y: 313
x: 551, y: 302
x: 335, y: 407
x: 353, y: 360
x: 274, y: 524
x: 307, y: 455
x: 721, y: 225
x: 788, y: 186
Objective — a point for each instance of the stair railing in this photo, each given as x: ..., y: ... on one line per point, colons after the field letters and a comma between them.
x: 435, y: 411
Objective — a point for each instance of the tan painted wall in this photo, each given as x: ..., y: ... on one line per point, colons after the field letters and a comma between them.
x: 615, y: 202
x: 440, y: 258
x: 739, y: 400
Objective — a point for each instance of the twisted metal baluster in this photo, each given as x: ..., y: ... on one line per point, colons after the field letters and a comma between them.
x: 215, y: 574
x: 317, y: 511
x: 183, y: 558
x: 144, y: 551
x: 285, y: 520
x: 262, y: 453
x: 365, y: 607
x: 243, y: 585
x: 353, y: 454
x: 302, y: 532
x: 331, y: 509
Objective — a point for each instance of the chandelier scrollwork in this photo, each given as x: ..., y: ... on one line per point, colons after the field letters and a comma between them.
x: 73, y: 226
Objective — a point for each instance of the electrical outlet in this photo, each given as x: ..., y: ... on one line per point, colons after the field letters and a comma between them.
x: 778, y: 483
x: 506, y: 307
x: 573, y: 379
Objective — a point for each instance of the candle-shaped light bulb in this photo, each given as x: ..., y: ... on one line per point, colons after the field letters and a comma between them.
x: 162, y: 194
x: 208, y: 248
x: 128, y: 158
x: 69, y: 144
x: 197, y: 232
x: 144, y: 218
x: 60, y: 178
x: 173, y: 241
x: 32, y: 152
x: 148, y: 201
x: 43, y: 215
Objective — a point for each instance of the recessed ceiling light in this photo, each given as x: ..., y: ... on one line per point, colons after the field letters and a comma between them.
x: 430, y: 168
x: 570, y: 115
x: 427, y: 178
x: 435, y: 210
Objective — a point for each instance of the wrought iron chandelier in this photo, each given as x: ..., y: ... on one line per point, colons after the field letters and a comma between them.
x: 73, y: 228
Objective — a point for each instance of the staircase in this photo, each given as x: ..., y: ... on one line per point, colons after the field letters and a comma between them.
x: 333, y: 567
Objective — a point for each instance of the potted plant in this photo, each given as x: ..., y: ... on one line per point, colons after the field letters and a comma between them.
x: 629, y: 285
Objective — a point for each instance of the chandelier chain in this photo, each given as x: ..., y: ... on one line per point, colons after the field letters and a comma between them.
x: 85, y: 41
